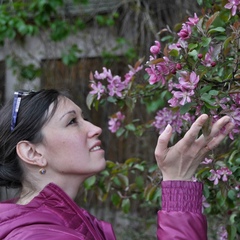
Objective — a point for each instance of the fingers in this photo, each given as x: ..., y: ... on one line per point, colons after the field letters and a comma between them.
x: 162, y: 144
x: 192, y: 134
x: 219, y: 125
x: 221, y: 135
x: 216, y: 135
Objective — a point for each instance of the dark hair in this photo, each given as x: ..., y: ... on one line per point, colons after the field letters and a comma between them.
x: 32, y: 115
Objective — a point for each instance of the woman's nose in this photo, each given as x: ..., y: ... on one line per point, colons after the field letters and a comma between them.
x: 94, y: 130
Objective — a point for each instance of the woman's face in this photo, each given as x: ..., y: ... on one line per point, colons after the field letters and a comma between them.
x: 70, y: 144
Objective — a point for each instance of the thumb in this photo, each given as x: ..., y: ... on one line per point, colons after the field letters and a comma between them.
x: 162, y: 143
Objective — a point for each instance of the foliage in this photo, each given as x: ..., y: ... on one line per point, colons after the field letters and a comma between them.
x: 20, y: 20
x: 196, y: 71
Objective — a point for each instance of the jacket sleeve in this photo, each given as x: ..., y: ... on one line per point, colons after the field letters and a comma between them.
x: 181, y: 214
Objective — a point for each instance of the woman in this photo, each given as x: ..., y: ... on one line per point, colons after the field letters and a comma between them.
x: 48, y: 149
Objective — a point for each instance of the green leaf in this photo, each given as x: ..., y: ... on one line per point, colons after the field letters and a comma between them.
x: 166, y: 38
x: 131, y: 161
x: 130, y: 127
x: 139, y: 167
x: 232, y: 194
x: 194, y: 54
x: 217, y: 29
x: 153, y: 168
x: 187, y: 107
x: 116, y: 199
x: 205, y: 89
x: 89, y: 182
x: 220, y: 199
x: 120, y: 132
x: 139, y: 181
x: 213, y: 92
x: 111, y: 99
x: 90, y: 99
x: 232, y: 231
x: 205, y: 41
x: 174, y: 53
x: 126, y: 205
x: 149, y: 192
x: 121, y: 180
x: 192, y: 46
x: 207, y: 99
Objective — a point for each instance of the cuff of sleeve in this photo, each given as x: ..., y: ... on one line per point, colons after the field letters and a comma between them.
x: 182, y: 196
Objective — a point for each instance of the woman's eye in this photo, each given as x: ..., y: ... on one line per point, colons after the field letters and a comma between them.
x: 72, y: 121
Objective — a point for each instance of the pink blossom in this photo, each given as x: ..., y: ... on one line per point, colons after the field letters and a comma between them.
x: 208, y: 60
x: 166, y: 116
x: 222, y: 233
x: 188, y: 118
x: 170, y: 85
x: 174, y: 46
x: 185, y: 32
x: 115, y: 86
x: 173, y: 102
x: 155, y: 49
x: 207, y: 161
x: 215, y: 176
x: 234, y: 5
x: 155, y: 75
x: 105, y: 74
x: 205, y: 203
x: 188, y: 81
x: 183, y: 96
x: 158, y: 72
x: 115, y: 122
x: 167, y: 66
x: 128, y: 76
x: 236, y: 98
x: 193, y: 21
x: 234, y: 113
x: 98, y: 89
x: 182, y: 43
x: 224, y: 172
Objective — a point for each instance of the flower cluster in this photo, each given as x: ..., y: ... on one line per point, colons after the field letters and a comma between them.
x: 115, y: 121
x: 234, y: 5
x: 166, y: 116
x: 229, y: 106
x: 187, y: 83
x: 159, y: 69
x: 222, y: 173
x: 184, y: 78
x: 222, y: 233
x: 114, y: 86
x: 186, y: 30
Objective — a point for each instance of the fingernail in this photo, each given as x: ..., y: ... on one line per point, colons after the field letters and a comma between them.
x: 168, y: 128
x: 205, y: 117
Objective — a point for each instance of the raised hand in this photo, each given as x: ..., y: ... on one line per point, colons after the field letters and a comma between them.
x: 180, y: 161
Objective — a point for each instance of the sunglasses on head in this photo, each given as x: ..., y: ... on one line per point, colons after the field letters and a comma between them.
x: 16, y: 104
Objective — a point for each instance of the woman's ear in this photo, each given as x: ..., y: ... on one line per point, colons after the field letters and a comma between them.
x: 28, y: 153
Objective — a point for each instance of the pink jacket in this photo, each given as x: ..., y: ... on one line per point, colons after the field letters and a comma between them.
x: 53, y: 215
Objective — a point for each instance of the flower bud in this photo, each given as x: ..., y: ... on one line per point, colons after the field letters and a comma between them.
x: 178, y: 66
x: 213, y: 64
x: 200, y: 55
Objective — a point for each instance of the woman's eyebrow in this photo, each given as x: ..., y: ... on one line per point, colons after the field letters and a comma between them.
x: 69, y: 112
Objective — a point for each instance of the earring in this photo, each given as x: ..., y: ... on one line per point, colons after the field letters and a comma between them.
x: 42, y: 171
